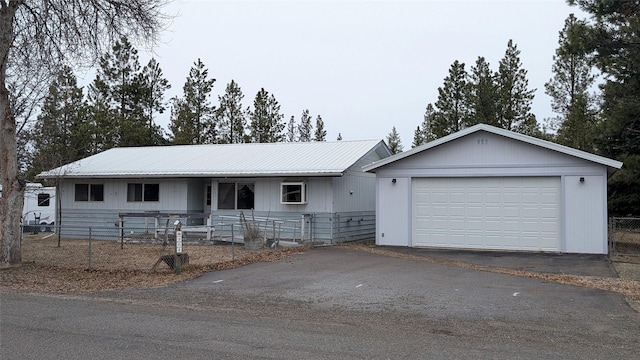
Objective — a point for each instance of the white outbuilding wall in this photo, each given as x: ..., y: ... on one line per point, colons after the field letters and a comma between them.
x: 489, y: 189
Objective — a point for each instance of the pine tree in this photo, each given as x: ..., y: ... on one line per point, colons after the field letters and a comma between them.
x: 610, y: 38
x: 63, y: 132
x: 153, y: 85
x: 453, y: 109
x: 118, y: 72
x: 428, y: 121
x: 192, y: 115
x: 514, y: 97
x: 104, y: 117
x: 418, y: 137
x: 231, y: 117
x: 305, y: 128
x: 569, y: 91
x: 292, y: 130
x: 266, y: 121
x: 394, y: 142
x: 424, y: 132
x: 320, y: 133
x: 482, y: 94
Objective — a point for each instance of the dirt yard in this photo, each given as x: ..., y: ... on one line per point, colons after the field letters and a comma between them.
x: 69, y: 268
x: 627, y: 242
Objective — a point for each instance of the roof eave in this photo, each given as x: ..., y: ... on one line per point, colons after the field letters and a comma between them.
x: 195, y: 175
x: 610, y: 163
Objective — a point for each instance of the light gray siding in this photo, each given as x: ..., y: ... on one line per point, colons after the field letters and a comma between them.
x: 267, y: 194
x: 318, y: 191
x: 355, y: 225
x: 355, y: 220
x: 393, y: 208
x: 323, y: 227
x: 338, y: 209
x: 173, y: 195
x: 488, y: 153
x: 585, y: 214
x: 484, y: 154
x: 173, y: 198
x: 354, y: 192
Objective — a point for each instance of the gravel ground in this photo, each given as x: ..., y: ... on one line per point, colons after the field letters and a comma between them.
x: 48, y: 267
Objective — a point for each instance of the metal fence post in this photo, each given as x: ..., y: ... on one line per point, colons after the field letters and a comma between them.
x: 90, y: 248
x: 121, y: 226
x: 233, y: 250
x: 612, y: 237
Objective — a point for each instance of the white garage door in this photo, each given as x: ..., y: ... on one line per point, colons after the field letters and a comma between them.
x: 501, y: 213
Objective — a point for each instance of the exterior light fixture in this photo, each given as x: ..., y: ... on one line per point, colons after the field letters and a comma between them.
x: 581, y: 179
x: 393, y: 181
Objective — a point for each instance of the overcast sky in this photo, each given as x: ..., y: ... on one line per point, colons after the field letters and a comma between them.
x: 365, y: 66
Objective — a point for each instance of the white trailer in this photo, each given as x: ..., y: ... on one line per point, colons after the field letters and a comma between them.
x: 39, y: 205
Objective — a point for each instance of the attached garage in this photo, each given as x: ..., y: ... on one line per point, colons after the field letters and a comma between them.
x: 486, y: 188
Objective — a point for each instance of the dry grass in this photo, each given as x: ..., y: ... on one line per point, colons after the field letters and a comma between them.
x: 627, y: 242
x: 628, y: 236
x: 49, y: 268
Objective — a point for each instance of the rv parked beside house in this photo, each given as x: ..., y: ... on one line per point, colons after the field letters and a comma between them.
x: 39, y: 205
x: 319, y: 184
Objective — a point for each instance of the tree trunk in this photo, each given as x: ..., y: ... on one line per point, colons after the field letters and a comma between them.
x: 12, y: 199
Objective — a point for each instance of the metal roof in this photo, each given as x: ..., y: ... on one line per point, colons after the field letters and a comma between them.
x: 612, y: 164
x: 229, y: 160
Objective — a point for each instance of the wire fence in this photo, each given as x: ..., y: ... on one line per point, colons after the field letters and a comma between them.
x: 149, y: 249
x: 624, y: 238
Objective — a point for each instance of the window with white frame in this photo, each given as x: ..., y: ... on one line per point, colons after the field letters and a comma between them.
x: 235, y: 196
x: 293, y: 192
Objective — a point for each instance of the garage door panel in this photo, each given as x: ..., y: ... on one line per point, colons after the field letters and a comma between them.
x: 487, y: 213
x: 473, y: 240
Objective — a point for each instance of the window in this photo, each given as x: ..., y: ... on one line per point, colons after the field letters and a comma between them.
x: 245, y: 196
x: 89, y: 192
x: 232, y: 196
x: 43, y: 199
x: 293, y: 193
x: 143, y: 192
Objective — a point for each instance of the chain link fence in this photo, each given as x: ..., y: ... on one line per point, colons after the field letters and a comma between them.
x: 624, y: 238
x: 139, y: 248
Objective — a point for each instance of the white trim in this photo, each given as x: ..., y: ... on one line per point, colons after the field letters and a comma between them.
x: 303, y: 192
x: 502, y: 132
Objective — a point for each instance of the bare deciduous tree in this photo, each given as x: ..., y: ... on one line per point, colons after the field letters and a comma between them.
x: 38, y: 37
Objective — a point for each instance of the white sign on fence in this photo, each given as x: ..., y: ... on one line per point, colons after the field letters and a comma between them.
x: 179, y: 242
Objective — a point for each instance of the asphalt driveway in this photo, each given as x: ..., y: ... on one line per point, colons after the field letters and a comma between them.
x: 337, y: 303
x: 354, y: 280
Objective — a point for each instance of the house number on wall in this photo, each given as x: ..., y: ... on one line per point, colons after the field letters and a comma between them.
x: 482, y: 141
